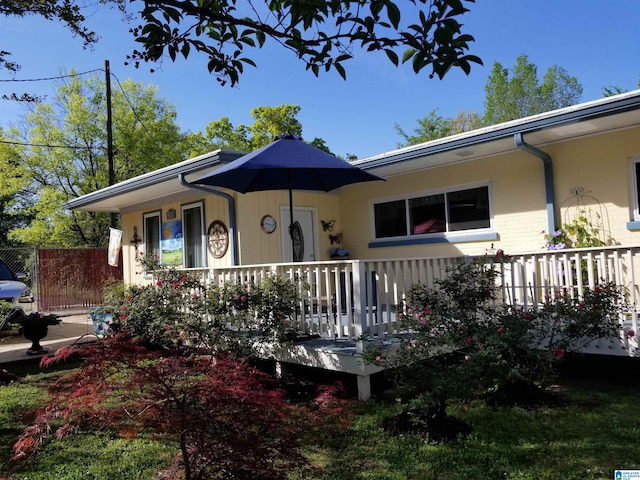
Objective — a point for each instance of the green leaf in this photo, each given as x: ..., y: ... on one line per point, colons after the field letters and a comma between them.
x: 340, y: 70
x: 394, y: 14
x: 392, y: 56
x: 185, y: 49
x: 408, y: 53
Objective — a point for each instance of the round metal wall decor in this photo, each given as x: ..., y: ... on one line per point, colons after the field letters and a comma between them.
x: 217, y: 239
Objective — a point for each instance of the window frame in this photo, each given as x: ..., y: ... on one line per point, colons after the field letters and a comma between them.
x: 145, y: 216
x: 635, y: 187
x: 185, y: 235
x: 434, y: 237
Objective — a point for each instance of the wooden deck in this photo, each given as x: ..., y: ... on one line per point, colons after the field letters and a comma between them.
x: 352, y: 302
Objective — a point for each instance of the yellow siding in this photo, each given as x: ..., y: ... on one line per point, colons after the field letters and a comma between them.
x: 259, y: 247
x: 600, y: 164
x: 255, y: 246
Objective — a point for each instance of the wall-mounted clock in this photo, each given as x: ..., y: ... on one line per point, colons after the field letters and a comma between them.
x: 217, y: 239
x: 268, y: 224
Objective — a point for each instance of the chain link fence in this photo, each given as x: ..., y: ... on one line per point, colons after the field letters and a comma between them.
x: 22, y: 260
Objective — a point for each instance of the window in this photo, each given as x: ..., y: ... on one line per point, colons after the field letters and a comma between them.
x: 193, y: 235
x: 636, y: 171
x: 151, y: 234
x: 452, y: 211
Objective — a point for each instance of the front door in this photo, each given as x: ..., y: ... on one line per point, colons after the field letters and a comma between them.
x: 303, y: 232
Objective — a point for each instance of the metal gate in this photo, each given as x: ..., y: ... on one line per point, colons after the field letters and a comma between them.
x: 73, y: 278
x: 62, y: 279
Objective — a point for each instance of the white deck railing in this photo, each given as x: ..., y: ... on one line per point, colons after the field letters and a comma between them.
x: 352, y: 298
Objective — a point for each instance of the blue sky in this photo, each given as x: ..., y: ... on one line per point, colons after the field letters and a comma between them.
x: 597, y: 41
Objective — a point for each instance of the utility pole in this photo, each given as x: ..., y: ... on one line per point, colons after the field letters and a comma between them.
x: 112, y: 173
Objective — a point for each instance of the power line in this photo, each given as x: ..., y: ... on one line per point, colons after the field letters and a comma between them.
x: 135, y: 115
x: 53, y: 78
x: 45, y: 145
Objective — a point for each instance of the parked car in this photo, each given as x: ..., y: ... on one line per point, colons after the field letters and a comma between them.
x: 14, y: 293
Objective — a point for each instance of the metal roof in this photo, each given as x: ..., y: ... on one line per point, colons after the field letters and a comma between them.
x: 590, y: 118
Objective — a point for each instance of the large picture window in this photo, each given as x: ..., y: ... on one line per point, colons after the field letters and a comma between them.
x: 452, y: 211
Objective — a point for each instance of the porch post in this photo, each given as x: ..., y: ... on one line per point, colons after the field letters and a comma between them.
x: 364, y: 387
x: 359, y: 304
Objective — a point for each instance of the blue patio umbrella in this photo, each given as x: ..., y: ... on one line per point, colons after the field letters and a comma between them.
x: 287, y: 163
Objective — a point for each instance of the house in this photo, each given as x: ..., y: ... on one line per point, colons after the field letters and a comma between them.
x: 497, y: 187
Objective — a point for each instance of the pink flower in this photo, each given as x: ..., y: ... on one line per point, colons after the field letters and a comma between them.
x: 128, y: 299
x: 100, y: 327
x: 426, y: 311
x: 124, y: 308
x: 631, y: 333
x: 195, y: 296
x: 159, y: 283
x: 169, y: 327
x: 176, y: 285
x: 527, y: 316
x: 597, y: 290
x: 423, y: 322
x: 183, y: 279
x: 378, y: 358
x: 501, y: 330
x: 469, y: 341
x: 558, y: 352
x: 123, y: 317
x: 467, y: 357
x: 243, y: 298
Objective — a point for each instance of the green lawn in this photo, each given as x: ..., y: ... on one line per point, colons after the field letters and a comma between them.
x: 596, y: 432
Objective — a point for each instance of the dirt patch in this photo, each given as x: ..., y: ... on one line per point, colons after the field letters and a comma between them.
x: 7, y: 377
x: 432, y: 424
x: 524, y: 395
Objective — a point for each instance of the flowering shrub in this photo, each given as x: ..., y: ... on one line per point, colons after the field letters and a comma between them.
x: 458, y: 341
x: 177, y: 310
x: 579, y: 233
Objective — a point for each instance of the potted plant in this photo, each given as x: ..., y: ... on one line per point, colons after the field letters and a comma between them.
x: 339, y: 252
x: 35, y: 327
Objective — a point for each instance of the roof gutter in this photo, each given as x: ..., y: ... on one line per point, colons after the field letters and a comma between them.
x: 232, y: 214
x: 548, y: 177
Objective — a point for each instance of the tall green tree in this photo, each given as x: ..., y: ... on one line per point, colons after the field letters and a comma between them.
x: 435, y: 126
x: 269, y: 123
x: 612, y: 90
x: 323, y: 34
x: 519, y: 93
x: 65, y: 156
x: 13, y: 177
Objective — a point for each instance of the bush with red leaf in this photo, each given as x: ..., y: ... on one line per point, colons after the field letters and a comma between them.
x: 231, y: 420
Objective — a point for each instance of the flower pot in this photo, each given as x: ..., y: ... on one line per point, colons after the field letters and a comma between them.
x: 35, y: 327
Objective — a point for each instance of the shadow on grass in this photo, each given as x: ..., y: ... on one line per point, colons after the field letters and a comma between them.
x: 586, y: 437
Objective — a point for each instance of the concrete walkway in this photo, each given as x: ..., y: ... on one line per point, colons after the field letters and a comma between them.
x: 76, y: 327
